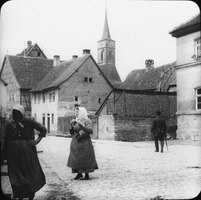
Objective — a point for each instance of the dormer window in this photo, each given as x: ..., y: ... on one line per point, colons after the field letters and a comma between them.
x: 198, y: 98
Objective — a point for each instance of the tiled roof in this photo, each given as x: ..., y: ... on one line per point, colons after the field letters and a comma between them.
x: 111, y: 73
x: 60, y: 73
x: 29, y: 71
x: 141, y: 79
x: 193, y: 24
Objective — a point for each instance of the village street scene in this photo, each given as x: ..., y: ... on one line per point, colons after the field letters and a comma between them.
x: 87, y: 126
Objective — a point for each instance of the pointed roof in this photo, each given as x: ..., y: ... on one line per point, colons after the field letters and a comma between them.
x: 27, y: 51
x: 63, y: 72
x: 59, y: 74
x: 29, y: 71
x: 106, y: 32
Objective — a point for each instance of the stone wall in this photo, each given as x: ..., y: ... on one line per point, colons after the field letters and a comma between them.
x: 106, y: 125
x: 137, y: 129
x: 134, y: 114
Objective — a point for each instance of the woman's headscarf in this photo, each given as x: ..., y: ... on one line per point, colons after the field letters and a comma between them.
x: 19, y: 108
x: 82, y: 115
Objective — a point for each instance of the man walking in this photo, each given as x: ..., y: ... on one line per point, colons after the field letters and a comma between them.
x: 158, y: 130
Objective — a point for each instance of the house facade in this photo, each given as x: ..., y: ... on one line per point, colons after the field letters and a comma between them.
x: 78, y: 80
x: 188, y: 74
x: 21, y: 73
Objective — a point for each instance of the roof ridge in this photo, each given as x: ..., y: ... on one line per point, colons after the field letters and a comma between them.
x: 30, y: 57
x: 171, y: 63
x: 73, y: 62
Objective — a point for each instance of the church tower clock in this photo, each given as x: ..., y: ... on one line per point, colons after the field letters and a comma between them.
x: 106, y: 46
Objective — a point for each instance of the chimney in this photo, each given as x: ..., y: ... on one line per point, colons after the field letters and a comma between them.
x: 149, y: 64
x: 86, y: 51
x: 29, y: 43
x: 56, y: 60
x: 74, y: 56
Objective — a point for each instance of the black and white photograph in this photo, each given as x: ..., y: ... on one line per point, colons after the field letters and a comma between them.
x: 100, y: 100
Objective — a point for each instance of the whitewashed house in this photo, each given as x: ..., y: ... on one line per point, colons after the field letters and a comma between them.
x: 188, y: 76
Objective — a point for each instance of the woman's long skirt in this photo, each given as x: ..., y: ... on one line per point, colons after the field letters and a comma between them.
x: 82, y: 158
x: 25, y: 172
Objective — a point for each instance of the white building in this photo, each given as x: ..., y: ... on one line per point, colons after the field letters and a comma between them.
x: 188, y: 76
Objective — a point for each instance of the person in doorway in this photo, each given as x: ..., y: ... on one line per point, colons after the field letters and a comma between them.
x: 19, y: 149
x: 82, y: 157
x: 158, y: 130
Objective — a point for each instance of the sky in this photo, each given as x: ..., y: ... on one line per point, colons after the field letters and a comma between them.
x: 66, y: 27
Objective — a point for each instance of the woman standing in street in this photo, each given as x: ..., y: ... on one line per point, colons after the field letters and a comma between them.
x: 19, y: 149
x: 82, y: 158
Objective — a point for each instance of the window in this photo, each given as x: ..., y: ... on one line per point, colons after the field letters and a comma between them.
x: 99, y: 100
x: 76, y: 98
x: 198, y: 99
x: 85, y: 79
x: 197, y: 54
x: 53, y: 96
x: 11, y: 97
x: 43, y: 98
x: 35, y: 116
x: 52, y: 118
x: 101, y: 55
x: 43, y: 120
x: 50, y: 97
x: 34, y: 98
x: 39, y: 97
x: 90, y: 80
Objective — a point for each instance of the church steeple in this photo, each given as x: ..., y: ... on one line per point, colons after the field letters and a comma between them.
x: 106, y: 54
x: 106, y: 46
x: 106, y: 32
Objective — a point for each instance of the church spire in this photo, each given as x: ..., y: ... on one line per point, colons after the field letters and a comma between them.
x: 106, y: 32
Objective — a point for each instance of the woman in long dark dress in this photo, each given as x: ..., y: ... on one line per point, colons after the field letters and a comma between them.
x: 81, y: 158
x: 19, y: 148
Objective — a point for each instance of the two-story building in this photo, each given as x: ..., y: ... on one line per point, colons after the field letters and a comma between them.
x: 188, y: 75
x: 78, y: 80
x: 21, y: 72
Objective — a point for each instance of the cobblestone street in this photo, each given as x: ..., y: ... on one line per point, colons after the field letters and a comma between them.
x: 126, y: 171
